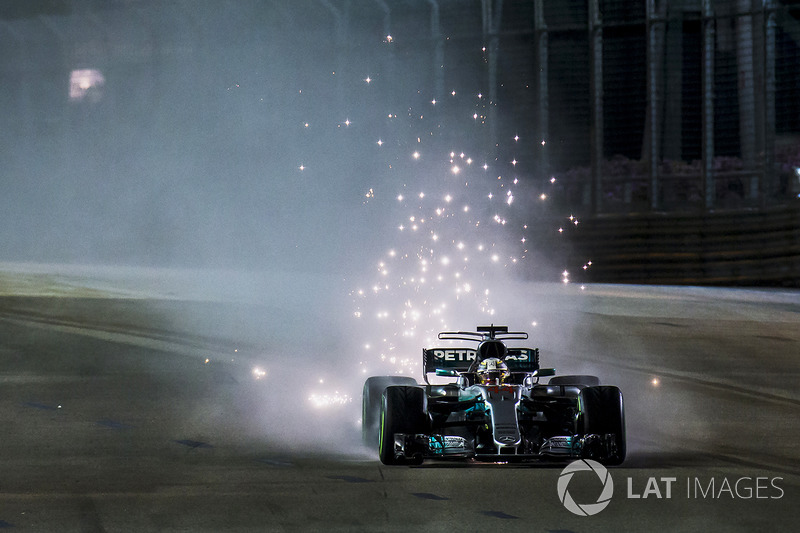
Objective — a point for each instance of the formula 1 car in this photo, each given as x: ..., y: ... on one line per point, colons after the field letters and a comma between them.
x: 496, y: 410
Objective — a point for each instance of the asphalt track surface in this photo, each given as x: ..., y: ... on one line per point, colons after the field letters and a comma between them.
x: 125, y: 409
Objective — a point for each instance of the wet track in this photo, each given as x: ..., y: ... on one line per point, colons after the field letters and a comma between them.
x: 113, y: 420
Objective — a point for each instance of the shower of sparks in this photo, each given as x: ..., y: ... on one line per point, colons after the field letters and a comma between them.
x: 446, y: 264
x: 455, y: 230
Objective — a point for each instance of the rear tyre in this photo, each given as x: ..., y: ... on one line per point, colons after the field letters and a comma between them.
x: 578, y: 379
x: 402, y: 411
x: 371, y: 405
x: 603, y: 412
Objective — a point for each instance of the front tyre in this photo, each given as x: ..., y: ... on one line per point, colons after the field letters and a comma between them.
x: 603, y: 414
x: 402, y: 412
x: 371, y: 405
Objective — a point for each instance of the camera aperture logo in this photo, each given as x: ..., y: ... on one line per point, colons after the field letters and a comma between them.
x: 741, y: 488
x: 585, y: 509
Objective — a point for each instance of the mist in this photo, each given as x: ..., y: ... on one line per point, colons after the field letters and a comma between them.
x: 317, y: 179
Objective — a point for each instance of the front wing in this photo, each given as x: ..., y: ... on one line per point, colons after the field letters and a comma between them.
x: 419, y: 446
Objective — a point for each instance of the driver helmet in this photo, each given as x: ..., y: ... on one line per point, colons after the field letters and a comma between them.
x: 492, y: 371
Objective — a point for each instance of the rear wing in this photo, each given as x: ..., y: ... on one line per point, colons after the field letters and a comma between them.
x: 460, y: 359
x: 484, y: 332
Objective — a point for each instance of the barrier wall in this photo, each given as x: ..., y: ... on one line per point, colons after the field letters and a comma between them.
x: 742, y: 248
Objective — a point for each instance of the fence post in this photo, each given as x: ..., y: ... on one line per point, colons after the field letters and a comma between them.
x: 540, y: 28
x: 770, y: 30
x: 707, y: 73
x: 655, y: 36
x: 596, y: 96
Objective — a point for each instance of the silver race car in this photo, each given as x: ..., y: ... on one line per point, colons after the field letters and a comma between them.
x: 495, y: 409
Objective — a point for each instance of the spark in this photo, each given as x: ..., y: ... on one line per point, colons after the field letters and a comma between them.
x: 324, y: 401
x: 445, y: 252
x: 368, y: 79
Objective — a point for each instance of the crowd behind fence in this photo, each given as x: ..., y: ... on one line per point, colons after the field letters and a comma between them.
x: 684, y: 106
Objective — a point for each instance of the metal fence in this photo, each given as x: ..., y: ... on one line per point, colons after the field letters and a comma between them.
x: 687, y: 105
x: 634, y: 106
